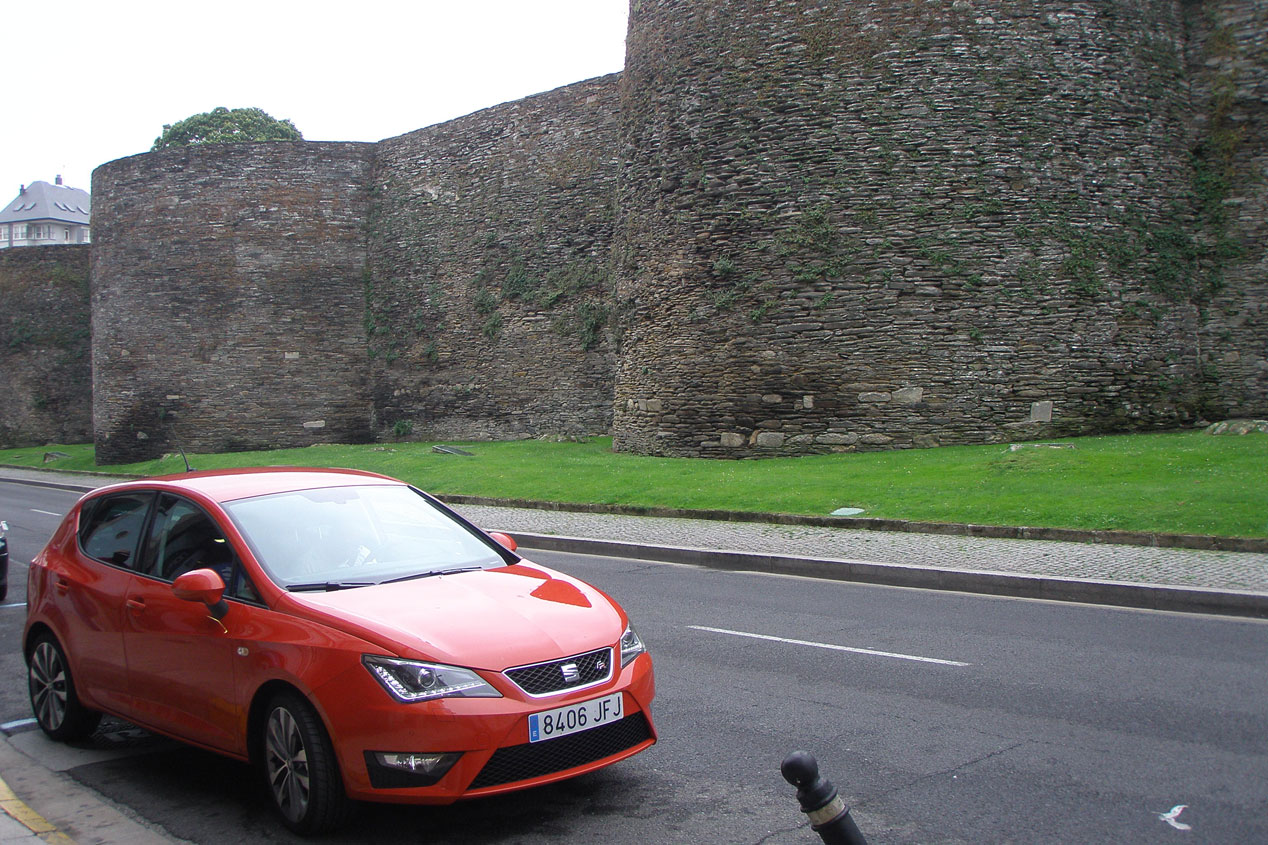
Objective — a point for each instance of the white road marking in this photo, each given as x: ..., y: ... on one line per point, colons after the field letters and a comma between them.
x: 869, y: 651
x: 17, y: 604
x: 12, y: 726
x: 1172, y: 817
x: 46, y: 513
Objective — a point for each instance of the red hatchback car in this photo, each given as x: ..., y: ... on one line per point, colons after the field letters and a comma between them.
x: 348, y: 633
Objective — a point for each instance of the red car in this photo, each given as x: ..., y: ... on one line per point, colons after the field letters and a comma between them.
x: 346, y: 632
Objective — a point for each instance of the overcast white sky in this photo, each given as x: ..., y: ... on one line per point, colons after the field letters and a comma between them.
x: 90, y: 82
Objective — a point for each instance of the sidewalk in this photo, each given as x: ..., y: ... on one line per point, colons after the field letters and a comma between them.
x: 19, y: 823
x: 1188, y: 580
x: 1100, y: 562
x: 54, y: 808
x: 1149, y: 576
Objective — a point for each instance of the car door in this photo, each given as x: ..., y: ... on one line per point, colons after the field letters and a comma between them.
x: 90, y: 578
x: 179, y: 655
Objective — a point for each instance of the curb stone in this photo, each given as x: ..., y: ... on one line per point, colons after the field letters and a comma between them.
x: 1052, y: 588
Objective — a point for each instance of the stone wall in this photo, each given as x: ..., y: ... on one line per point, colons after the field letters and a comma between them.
x: 45, y: 370
x: 1228, y: 58
x: 891, y: 224
x: 489, y: 298
x: 228, y: 305
x: 789, y: 226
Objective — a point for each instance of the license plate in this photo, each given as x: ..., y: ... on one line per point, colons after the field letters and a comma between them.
x: 574, y: 718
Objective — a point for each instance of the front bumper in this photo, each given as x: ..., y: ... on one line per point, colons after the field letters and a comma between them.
x: 490, y: 733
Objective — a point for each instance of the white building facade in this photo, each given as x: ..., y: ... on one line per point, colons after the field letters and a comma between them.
x: 46, y: 215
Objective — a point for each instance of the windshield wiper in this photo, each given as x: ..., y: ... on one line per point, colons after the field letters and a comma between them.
x: 327, y: 586
x: 431, y: 573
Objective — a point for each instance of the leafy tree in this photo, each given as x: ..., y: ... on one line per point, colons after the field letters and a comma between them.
x: 222, y: 125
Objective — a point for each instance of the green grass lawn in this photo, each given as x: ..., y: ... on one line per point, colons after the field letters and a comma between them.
x: 1187, y: 482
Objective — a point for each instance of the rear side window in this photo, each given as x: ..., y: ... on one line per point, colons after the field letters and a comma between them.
x: 112, y: 529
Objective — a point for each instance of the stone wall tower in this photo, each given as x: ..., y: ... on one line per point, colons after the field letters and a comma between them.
x: 892, y: 223
x: 833, y: 225
x: 228, y: 299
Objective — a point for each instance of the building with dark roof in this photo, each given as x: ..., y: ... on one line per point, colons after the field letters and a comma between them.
x: 46, y: 215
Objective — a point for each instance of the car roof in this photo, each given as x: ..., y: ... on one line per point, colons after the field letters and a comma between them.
x: 226, y: 485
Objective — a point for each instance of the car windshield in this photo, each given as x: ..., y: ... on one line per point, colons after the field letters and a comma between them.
x: 335, y: 537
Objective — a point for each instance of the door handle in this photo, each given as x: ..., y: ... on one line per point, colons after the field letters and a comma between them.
x: 62, y: 586
x: 135, y: 605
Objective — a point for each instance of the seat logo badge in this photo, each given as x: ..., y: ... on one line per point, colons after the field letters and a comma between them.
x: 571, y: 672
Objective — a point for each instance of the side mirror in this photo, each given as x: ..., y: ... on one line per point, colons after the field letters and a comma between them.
x: 202, y: 585
x: 504, y: 540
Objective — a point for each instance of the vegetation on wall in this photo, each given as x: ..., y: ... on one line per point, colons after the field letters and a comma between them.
x: 574, y: 292
x: 1214, y: 172
x: 224, y: 126
x: 23, y: 333
x: 45, y: 344
x: 19, y: 331
x: 1065, y: 243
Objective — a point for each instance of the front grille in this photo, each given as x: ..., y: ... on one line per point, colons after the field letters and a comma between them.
x: 534, y: 759
x: 582, y: 670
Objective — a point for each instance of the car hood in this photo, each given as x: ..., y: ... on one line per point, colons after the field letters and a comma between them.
x: 491, y: 619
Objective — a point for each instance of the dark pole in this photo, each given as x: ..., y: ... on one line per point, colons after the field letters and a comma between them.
x: 828, y: 814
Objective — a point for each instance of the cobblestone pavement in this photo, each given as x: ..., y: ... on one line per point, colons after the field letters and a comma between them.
x: 1090, y: 561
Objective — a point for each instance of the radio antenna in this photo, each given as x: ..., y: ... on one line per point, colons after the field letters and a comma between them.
x: 188, y: 468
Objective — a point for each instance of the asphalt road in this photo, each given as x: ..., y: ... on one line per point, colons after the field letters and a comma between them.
x: 32, y: 514
x: 942, y: 717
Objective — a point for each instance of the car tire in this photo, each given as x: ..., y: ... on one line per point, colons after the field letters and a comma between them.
x: 54, y: 701
x: 300, y: 767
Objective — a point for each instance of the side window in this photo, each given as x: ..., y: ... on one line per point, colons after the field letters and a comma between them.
x: 111, y: 529
x: 184, y: 538
x: 242, y: 588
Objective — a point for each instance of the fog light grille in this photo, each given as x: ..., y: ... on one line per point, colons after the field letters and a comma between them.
x: 534, y: 759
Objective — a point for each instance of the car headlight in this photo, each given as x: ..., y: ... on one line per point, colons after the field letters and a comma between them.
x: 631, y: 646
x: 412, y: 680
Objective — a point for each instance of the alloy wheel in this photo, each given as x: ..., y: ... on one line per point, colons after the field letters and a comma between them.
x: 47, y: 679
x: 286, y: 760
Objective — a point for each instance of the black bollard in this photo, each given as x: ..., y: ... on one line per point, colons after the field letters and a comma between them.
x: 828, y: 814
